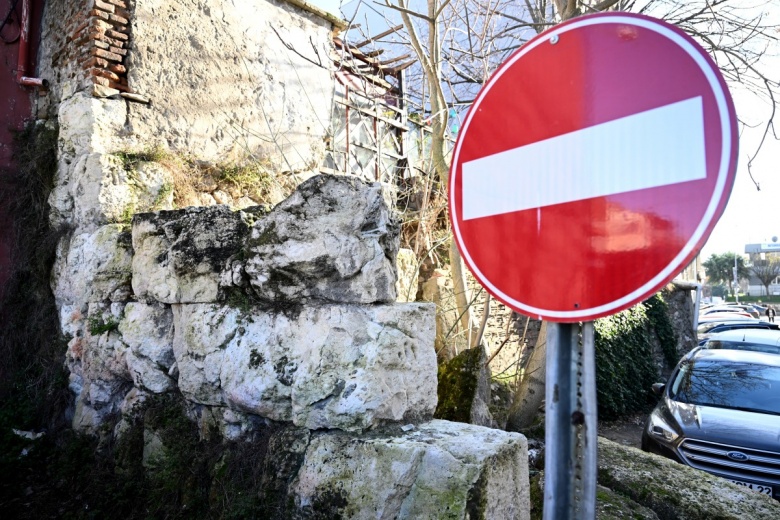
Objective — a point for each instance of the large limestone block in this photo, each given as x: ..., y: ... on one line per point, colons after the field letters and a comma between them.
x: 334, y: 239
x: 439, y: 470
x: 102, y: 351
x: 93, y: 266
x: 674, y: 490
x: 90, y: 125
x: 93, y: 190
x: 147, y: 330
x: 330, y: 366
x: 179, y: 255
x: 98, y: 366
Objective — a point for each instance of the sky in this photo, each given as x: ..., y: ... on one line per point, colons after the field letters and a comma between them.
x: 752, y: 215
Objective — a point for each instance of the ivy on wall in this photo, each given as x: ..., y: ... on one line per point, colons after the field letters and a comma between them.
x: 625, y: 370
x: 658, y: 315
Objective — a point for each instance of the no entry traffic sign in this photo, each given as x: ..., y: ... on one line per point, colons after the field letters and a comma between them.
x: 592, y: 167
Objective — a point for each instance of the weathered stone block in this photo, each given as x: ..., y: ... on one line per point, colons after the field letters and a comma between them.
x: 147, y: 330
x: 334, y: 239
x: 331, y: 366
x: 438, y: 470
x: 180, y: 254
x: 98, y: 366
x: 674, y: 490
x: 93, y: 267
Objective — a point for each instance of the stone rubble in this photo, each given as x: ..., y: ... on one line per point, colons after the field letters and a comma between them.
x: 335, y: 239
x: 326, y: 349
x: 255, y: 317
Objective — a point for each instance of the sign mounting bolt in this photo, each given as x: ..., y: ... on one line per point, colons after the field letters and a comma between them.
x: 554, y: 39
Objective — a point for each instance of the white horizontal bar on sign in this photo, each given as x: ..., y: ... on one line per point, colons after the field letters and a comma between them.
x: 658, y: 147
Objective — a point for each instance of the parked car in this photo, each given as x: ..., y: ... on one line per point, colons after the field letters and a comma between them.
x: 755, y: 340
x: 720, y: 412
x: 747, y: 307
x: 760, y: 308
x: 726, y: 309
x: 723, y: 316
x: 705, y: 330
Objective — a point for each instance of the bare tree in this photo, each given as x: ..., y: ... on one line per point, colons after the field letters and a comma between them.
x: 460, y: 42
x: 766, y: 271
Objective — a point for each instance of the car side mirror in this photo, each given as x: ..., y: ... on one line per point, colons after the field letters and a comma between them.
x: 658, y: 389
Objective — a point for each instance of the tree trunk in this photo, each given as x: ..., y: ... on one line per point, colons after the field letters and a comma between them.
x: 461, y: 289
x: 530, y: 393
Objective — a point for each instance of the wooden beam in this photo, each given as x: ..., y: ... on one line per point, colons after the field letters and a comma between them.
x: 376, y: 37
x: 393, y: 60
x: 399, y: 68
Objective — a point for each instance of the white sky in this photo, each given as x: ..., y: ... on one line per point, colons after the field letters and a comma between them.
x: 751, y: 216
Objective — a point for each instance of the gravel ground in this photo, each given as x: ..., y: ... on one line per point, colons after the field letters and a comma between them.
x: 627, y: 432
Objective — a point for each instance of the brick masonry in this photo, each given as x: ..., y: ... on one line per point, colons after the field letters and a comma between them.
x: 96, y: 40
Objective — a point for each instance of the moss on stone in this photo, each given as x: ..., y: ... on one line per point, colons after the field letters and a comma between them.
x: 476, y: 501
x: 457, y: 386
x: 267, y: 236
x: 537, y: 497
x: 98, y: 325
x: 673, y: 490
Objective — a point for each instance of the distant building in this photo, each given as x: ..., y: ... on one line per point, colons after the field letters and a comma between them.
x: 757, y: 253
x: 693, y: 272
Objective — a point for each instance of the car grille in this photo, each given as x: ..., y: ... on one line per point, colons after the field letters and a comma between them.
x: 760, y: 466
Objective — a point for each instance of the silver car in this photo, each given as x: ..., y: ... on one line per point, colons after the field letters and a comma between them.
x: 720, y: 412
x: 755, y: 340
x: 709, y: 329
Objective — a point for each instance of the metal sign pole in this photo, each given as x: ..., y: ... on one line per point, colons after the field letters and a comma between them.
x: 570, y: 423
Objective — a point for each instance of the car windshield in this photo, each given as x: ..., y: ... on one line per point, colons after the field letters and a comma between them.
x: 743, y: 345
x: 735, y: 385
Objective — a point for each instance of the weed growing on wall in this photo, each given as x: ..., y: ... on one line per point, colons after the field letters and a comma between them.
x: 252, y: 179
x: 131, y: 159
x: 192, y: 178
x: 33, y: 381
x: 99, y: 326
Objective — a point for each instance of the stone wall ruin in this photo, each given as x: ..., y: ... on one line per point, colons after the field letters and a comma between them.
x: 253, y: 315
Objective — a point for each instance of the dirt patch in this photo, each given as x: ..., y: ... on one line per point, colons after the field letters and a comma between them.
x: 627, y: 432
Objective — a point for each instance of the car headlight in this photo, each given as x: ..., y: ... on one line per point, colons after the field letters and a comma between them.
x: 659, y: 429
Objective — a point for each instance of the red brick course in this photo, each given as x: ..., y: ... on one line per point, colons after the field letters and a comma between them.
x: 96, y: 40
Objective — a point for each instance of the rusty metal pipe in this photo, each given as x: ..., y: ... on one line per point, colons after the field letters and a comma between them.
x: 24, y: 51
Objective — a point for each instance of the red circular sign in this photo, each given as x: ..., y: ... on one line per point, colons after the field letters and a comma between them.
x: 592, y: 167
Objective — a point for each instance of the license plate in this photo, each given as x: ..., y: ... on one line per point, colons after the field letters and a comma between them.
x: 767, y: 490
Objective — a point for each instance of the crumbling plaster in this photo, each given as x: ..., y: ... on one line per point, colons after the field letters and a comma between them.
x: 228, y: 79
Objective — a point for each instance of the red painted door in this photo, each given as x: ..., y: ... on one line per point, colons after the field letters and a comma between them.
x: 14, y: 103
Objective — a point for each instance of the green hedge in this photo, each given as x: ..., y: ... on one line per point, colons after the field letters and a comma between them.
x: 625, y: 370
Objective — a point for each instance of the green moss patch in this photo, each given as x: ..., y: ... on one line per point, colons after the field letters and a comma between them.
x: 457, y: 385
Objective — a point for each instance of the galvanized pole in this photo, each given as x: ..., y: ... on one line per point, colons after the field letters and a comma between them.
x: 570, y: 423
